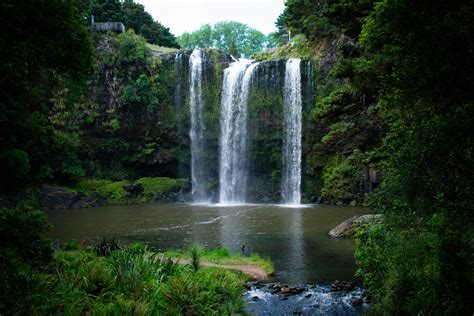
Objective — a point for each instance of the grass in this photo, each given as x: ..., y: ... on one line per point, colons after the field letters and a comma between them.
x: 131, y: 281
x: 161, y: 49
x: 223, y: 256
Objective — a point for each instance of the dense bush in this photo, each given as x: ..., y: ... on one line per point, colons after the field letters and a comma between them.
x: 132, y: 280
x: 24, y: 250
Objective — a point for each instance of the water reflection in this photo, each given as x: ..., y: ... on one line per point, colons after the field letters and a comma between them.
x: 294, y: 238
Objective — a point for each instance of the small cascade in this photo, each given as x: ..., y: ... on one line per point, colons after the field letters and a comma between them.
x: 291, y: 173
x: 198, y: 143
x: 233, y: 168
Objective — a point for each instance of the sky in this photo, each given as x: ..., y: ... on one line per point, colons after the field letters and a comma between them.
x: 188, y: 15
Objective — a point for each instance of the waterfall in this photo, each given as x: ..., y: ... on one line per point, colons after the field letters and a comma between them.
x: 178, y: 88
x: 233, y: 167
x: 291, y: 173
x: 198, y: 143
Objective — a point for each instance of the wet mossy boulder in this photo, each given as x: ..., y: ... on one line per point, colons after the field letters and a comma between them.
x: 347, y: 227
x: 95, y: 192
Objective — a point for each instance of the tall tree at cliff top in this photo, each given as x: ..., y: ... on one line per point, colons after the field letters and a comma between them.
x: 134, y: 16
x: 229, y: 36
x: 43, y: 45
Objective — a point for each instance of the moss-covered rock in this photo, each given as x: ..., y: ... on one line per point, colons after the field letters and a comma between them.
x: 94, y: 192
x: 156, y: 189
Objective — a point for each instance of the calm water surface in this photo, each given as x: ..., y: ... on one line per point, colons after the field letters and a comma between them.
x: 295, y: 239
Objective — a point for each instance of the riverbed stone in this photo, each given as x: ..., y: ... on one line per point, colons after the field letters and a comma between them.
x: 285, y: 290
x: 356, y: 301
x: 338, y: 286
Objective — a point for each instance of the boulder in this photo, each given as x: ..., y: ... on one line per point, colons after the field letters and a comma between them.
x: 54, y: 197
x: 346, y: 228
x: 370, y: 219
x: 342, y: 286
x: 86, y: 201
x: 356, y: 301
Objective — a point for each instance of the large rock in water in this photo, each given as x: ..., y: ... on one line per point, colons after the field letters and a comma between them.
x: 346, y: 228
x: 54, y: 197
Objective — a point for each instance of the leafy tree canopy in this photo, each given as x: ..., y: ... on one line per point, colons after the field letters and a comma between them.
x: 133, y: 16
x: 233, y: 37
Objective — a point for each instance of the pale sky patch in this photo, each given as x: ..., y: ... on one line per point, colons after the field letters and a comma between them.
x: 188, y: 15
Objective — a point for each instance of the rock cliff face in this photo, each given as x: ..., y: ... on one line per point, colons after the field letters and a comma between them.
x: 137, y: 121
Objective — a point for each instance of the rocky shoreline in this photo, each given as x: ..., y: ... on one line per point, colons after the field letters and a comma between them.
x: 340, y: 298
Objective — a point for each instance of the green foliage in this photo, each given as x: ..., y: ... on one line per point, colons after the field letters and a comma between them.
x: 425, y: 95
x: 223, y: 256
x: 338, y: 176
x: 207, y: 292
x: 134, y: 17
x: 137, y: 247
x: 132, y: 270
x: 158, y: 187
x: 305, y: 17
x: 15, y: 165
x: 336, y: 129
x: 124, y: 116
x: 115, y: 192
x: 128, y: 282
x: 195, y: 252
x: 370, y: 256
x: 132, y: 48
x: 36, y: 61
x: 72, y: 245
x: 23, y: 250
x: 232, y: 37
x: 107, y: 245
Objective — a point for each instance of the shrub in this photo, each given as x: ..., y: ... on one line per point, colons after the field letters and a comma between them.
x: 72, y: 245
x: 209, y: 291
x: 157, y: 187
x: 106, y: 245
x: 14, y: 167
x: 24, y: 249
x: 195, y: 252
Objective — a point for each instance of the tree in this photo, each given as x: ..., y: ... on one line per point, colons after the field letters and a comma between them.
x: 136, y: 18
x: 43, y: 45
x: 419, y: 56
x: 229, y: 36
x: 133, y: 16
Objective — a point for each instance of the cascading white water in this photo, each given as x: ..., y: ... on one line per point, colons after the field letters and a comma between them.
x: 196, y: 107
x: 291, y: 173
x: 233, y: 167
